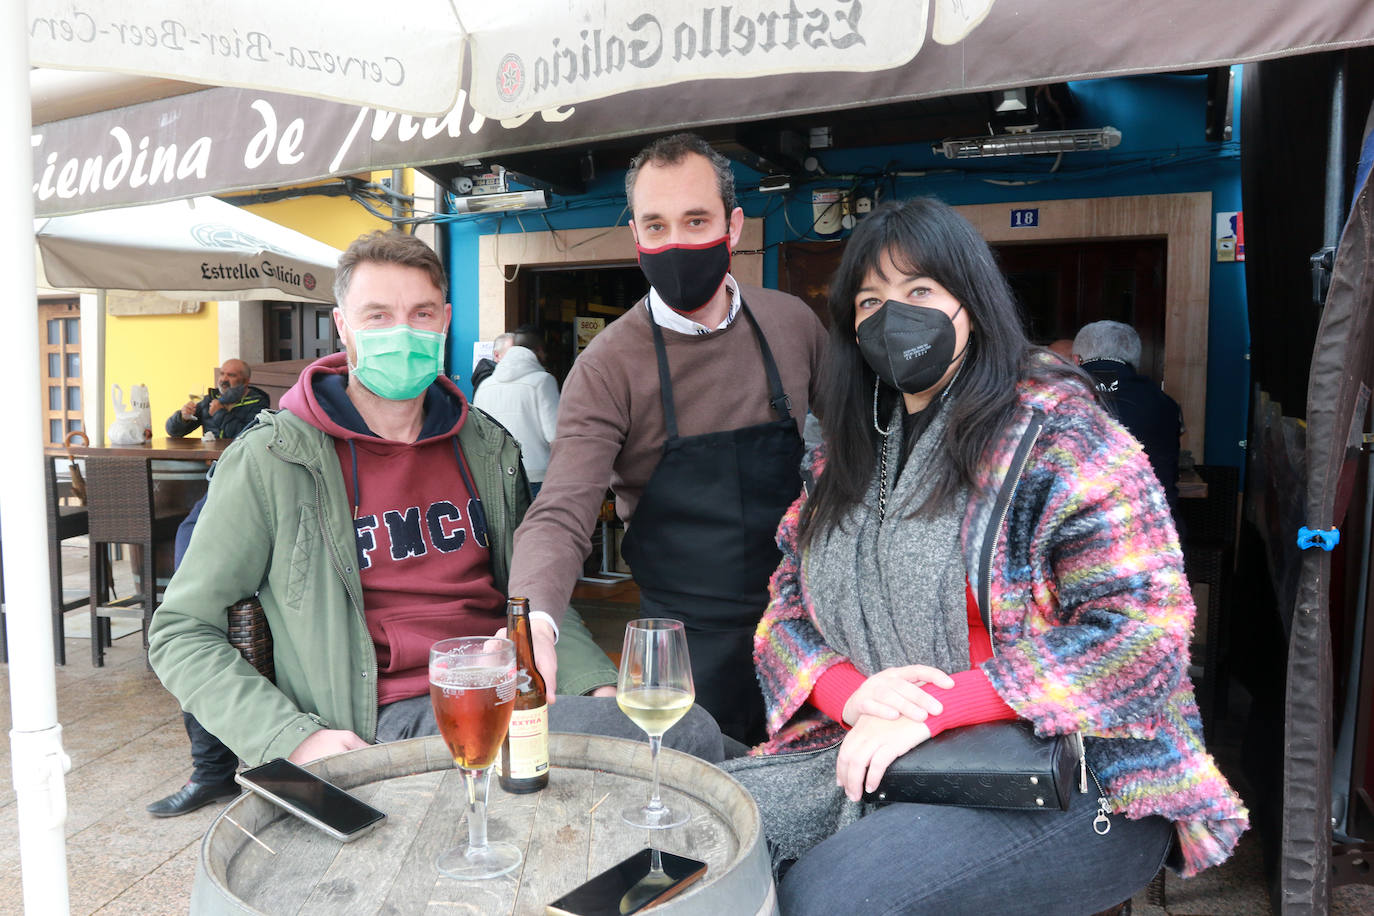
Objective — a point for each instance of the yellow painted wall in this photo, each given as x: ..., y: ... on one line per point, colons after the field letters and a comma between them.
x: 335, y: 221
x: 173, y: 355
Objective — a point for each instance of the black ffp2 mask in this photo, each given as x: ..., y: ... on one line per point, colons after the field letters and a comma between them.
x: 908, y: 346
x: 686, y: 276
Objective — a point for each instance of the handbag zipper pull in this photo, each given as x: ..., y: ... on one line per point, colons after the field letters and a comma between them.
x: 1102, y: 824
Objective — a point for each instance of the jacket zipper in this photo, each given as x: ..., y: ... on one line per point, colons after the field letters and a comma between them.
x: 337, y: 563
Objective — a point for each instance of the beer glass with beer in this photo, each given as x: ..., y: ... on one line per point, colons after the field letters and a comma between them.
x: 655, y: 690
x: 472, y: 686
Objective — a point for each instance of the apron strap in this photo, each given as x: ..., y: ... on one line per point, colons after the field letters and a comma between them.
x: 665, y: 381
x: 778, y: 399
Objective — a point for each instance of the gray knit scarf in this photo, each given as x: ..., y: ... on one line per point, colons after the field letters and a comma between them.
x: 885, y: 592
x: 890, y: 591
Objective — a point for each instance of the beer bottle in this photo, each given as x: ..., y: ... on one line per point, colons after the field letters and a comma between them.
x: 525, y: 753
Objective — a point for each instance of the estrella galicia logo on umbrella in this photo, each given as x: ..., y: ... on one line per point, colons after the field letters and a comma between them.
x: 219, y: 235
x: 510, y: 77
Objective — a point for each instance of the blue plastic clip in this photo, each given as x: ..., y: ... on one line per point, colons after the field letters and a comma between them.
x: 1326, y: 540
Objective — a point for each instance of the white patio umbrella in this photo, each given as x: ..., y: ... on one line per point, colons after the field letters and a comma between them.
x: 200, y: 248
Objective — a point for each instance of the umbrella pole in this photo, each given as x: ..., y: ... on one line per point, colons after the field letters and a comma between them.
x: 37, y: 758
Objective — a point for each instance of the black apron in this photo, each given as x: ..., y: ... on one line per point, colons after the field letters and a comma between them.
x: 702, y: 542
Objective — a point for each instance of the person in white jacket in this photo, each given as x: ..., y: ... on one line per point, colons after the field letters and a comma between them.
x: 523, y: 398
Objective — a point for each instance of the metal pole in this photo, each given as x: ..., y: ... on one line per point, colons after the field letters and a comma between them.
x: 1333, y: 217
x: 37, y: 758
x: 1323, y: 261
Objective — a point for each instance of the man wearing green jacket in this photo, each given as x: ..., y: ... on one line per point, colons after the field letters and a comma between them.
x: 373, y: 515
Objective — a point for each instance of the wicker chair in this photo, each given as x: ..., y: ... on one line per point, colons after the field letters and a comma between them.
x: 63, y: 522
x: 122, y: 512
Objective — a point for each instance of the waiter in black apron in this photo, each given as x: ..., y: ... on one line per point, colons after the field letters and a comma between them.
x: 704, y: 460
x: 702, y: 546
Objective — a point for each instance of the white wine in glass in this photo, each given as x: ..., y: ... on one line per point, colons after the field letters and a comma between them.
x: 472, y: 686
x: 655, y: 690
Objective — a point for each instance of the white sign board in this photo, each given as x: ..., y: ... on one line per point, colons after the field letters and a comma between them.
x: 407, y: 56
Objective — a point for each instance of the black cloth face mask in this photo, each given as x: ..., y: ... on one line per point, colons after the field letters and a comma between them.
x: 686, y: 276
x: 908, y: 346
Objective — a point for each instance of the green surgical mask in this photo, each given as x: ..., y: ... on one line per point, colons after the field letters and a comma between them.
x: 397, y: 363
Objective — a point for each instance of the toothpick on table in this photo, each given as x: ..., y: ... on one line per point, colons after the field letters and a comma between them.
x: 250, y: 834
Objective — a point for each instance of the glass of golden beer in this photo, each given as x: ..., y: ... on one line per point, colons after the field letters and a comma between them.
x: 472, y: 686
x: 655, y: 690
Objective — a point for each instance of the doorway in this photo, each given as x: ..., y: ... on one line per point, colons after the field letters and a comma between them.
x: 569, y: 306
x: 59, y: 363
x: 1064, y: 285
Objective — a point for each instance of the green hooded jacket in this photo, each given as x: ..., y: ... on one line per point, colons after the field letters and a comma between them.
x: 277, y: 522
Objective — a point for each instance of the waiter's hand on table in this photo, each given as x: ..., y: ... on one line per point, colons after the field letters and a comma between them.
x: 545, y: 655
x: 324, y: 742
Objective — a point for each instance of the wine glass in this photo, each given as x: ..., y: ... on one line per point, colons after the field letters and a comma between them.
x: 655, y: 690
x: 472, y: 686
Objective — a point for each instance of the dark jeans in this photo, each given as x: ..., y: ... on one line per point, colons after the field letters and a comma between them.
x: 697, y: 734
x: 211, y: 761
x: 944, y: 859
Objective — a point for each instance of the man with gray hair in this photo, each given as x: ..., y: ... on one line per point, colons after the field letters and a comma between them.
x: 1109, y: 351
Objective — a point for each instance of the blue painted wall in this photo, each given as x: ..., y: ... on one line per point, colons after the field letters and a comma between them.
x: 1163, y: 151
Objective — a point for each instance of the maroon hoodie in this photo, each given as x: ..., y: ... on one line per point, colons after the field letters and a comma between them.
x: 426, y: 569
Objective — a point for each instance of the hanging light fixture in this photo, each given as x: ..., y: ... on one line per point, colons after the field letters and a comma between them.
x: 1029, y: 143
x: 492, y: 203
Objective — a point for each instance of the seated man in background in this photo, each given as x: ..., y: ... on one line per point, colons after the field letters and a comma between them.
x: 1109, y: 351
x: 373, y: 515
x: 226, y: 413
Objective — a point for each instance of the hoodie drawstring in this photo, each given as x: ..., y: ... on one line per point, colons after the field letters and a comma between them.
x: 479, y: 514
x: 357, y: 484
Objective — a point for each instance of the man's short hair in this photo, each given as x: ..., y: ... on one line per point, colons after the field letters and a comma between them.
x: 387, y: 246
x: 671, y: 151
x: 501, y: 343
x: 247, y: 369
x: 1108, y: 340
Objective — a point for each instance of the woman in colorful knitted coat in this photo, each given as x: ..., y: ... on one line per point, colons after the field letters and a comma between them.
x: 966, y: 471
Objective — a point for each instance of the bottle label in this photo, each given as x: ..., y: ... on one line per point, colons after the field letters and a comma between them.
x: 529, y: 742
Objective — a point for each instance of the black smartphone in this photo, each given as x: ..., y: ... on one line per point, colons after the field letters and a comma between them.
x: 629, y: 886
x: 315, y: 801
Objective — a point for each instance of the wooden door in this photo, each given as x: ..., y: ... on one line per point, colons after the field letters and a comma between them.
x: 59, y: 367
x: 1065, y: 285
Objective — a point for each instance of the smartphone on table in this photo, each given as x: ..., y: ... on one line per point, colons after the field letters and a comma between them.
x: 312, y: 799
x: 629, y: 886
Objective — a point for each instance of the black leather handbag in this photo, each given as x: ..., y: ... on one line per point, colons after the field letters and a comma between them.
x: 989, y: 765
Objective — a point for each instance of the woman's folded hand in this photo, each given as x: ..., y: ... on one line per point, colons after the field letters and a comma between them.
x: 869, y: 749
x: 896, y: 692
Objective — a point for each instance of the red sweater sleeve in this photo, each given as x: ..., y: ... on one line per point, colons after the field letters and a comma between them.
x: 971, y: 700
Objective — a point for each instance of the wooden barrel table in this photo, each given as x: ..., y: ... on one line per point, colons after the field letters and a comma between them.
x: 570, y: 831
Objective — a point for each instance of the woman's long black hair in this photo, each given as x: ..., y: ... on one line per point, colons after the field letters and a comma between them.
x: 923, y: 236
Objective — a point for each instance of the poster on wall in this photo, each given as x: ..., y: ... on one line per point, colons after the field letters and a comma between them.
x: 587, y: 329
x: 1231, y: 236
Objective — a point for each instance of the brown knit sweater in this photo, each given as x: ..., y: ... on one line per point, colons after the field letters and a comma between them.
x: 611, y: 428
